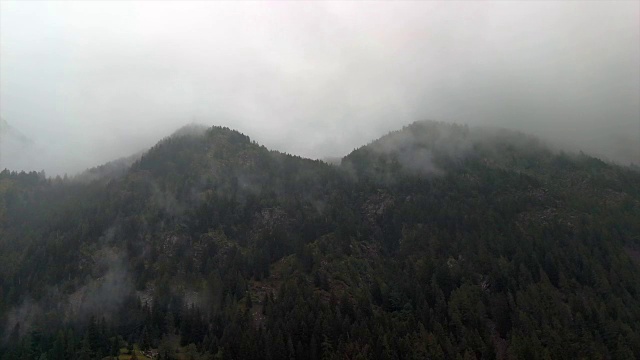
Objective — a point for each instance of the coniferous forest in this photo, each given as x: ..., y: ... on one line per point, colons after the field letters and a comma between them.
x: 436, y: 241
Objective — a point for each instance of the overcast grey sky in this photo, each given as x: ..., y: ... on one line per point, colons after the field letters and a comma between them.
x: 92, y: 81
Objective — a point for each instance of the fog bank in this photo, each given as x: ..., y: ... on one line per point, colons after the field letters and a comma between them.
x: 88, y: 82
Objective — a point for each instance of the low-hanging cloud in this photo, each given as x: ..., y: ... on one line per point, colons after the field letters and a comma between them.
x: 101, y: 295
x: 93, y: 81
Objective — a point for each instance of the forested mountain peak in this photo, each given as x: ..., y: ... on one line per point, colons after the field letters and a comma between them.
x: 438, y: 240
x: 195, y: 141
x: 450, y: 144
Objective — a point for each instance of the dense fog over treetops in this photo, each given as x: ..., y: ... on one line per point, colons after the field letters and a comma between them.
x: 82, y: 83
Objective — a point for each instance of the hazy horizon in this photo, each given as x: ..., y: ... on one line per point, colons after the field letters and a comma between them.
x: 90, y: 82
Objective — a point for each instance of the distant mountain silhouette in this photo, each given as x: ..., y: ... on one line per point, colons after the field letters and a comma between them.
x: 9, y: 132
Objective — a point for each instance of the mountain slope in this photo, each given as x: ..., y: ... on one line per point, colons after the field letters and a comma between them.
x: 13, y: 145
x: 437, y: 240
x: 9, y: 131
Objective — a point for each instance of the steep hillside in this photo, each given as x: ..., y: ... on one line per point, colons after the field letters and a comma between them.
x: 434, y: 241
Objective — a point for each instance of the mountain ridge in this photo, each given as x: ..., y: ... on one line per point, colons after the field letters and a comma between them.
x: 435, y: 240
